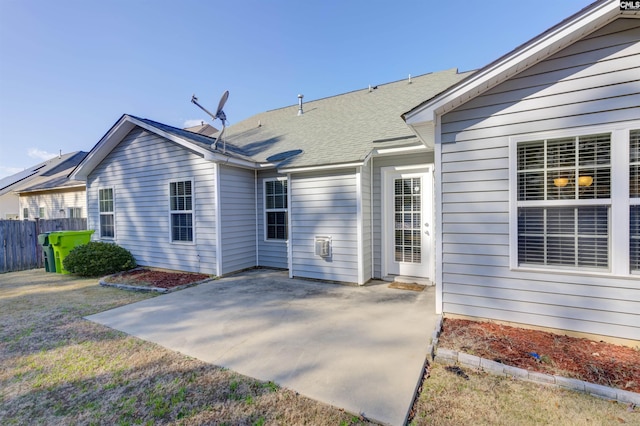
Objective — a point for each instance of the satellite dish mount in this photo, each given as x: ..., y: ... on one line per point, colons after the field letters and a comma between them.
x: 218, y: 115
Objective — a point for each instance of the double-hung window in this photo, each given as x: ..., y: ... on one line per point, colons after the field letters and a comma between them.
x: 106, y: 207
x: 577, y: 201
x: 564, y: 195
x: 181, y: 210
x: 275, y: 209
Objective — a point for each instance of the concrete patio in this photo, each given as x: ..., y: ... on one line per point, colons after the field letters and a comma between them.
x: 358, y: 348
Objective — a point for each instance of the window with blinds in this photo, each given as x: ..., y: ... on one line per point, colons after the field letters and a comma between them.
x: 634, y: 196
x: 181, y: 210
x: 564, y: 199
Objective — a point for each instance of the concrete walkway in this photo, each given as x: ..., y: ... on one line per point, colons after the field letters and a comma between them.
x: 357, y: 348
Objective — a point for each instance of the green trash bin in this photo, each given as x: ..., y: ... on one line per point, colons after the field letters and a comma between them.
x: 65, y: 241
x: 47, y: 252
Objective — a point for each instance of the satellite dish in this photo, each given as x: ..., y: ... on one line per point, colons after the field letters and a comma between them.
x: 220, y: 115
x: 219, y: 112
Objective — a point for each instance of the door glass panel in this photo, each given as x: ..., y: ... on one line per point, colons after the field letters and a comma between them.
x: 407, y: 201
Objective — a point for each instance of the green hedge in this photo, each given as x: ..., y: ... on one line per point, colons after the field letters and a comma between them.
x: 97, y: 259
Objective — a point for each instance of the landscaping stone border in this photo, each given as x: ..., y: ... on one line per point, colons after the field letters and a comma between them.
x: 450, y: 357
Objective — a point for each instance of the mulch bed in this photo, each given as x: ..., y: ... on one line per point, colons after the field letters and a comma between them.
x: 143, y: 277
x: 583, y: 359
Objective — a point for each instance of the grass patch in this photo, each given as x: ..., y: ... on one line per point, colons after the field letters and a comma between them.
x: 448, y: 398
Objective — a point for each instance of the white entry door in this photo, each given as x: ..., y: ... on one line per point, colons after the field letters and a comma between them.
x: 408, y: 215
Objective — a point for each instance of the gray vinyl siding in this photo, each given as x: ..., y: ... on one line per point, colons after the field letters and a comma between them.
x: 324, y: 204
x: 594, y: 81
x: 378, y: 163
x: 271, y: 254
x: 139, y: 169
x: 238, y: 216
x: 367, y: 222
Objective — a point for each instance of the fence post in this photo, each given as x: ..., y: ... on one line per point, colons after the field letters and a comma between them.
x: 38, y: 248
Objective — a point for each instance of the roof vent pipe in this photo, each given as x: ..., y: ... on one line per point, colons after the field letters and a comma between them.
x: 409, y: 78
x: 300, y: 112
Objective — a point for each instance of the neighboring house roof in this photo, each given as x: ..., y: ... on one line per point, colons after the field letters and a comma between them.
x: 203, y: 129
x: 338, y: 129
x: 537, y: 49
x: 46, y: 171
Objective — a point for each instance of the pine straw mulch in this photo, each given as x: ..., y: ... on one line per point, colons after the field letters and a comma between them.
x: 583, y: 359
x: 144, y: 277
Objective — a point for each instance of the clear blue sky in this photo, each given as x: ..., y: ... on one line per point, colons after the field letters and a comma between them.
x: 70, y: 69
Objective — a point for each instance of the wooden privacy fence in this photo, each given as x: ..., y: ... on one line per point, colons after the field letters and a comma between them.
x: 19, y: 248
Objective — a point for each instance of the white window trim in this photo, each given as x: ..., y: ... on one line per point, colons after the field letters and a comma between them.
x: 70, y: 209
x: 618, y: 203
x: 192, y: 211
x: 113, y: 213
x: 265, y: 210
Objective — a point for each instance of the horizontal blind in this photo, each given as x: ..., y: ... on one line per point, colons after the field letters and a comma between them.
x: 634, y: 194
x: 564, y: 236
x: 634, y: 167
x: 565, y: 168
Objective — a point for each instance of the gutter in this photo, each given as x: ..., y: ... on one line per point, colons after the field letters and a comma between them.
x: 401, y: 150
x: 224, y: 159
x: 55, y: 188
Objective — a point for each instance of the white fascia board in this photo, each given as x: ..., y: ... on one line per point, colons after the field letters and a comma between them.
x: 321, y: 168
x: 517, y: 61
x: 102, y: 148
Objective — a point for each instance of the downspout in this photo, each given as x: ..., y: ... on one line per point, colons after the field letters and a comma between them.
x: 216, y: 168
x: 255, y: 182
x: 289, y: 236
x: 437, y: 229
x: 359, y: 226
x: 371, y: 226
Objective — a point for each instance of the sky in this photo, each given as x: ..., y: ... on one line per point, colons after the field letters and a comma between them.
x: 69, y: 69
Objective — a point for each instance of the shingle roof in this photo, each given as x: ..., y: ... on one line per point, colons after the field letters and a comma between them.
x: 196, y: 138
x: 338, y: 129
x: 40, y: 172
x: 334, y: 130
x: 203, y: 129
